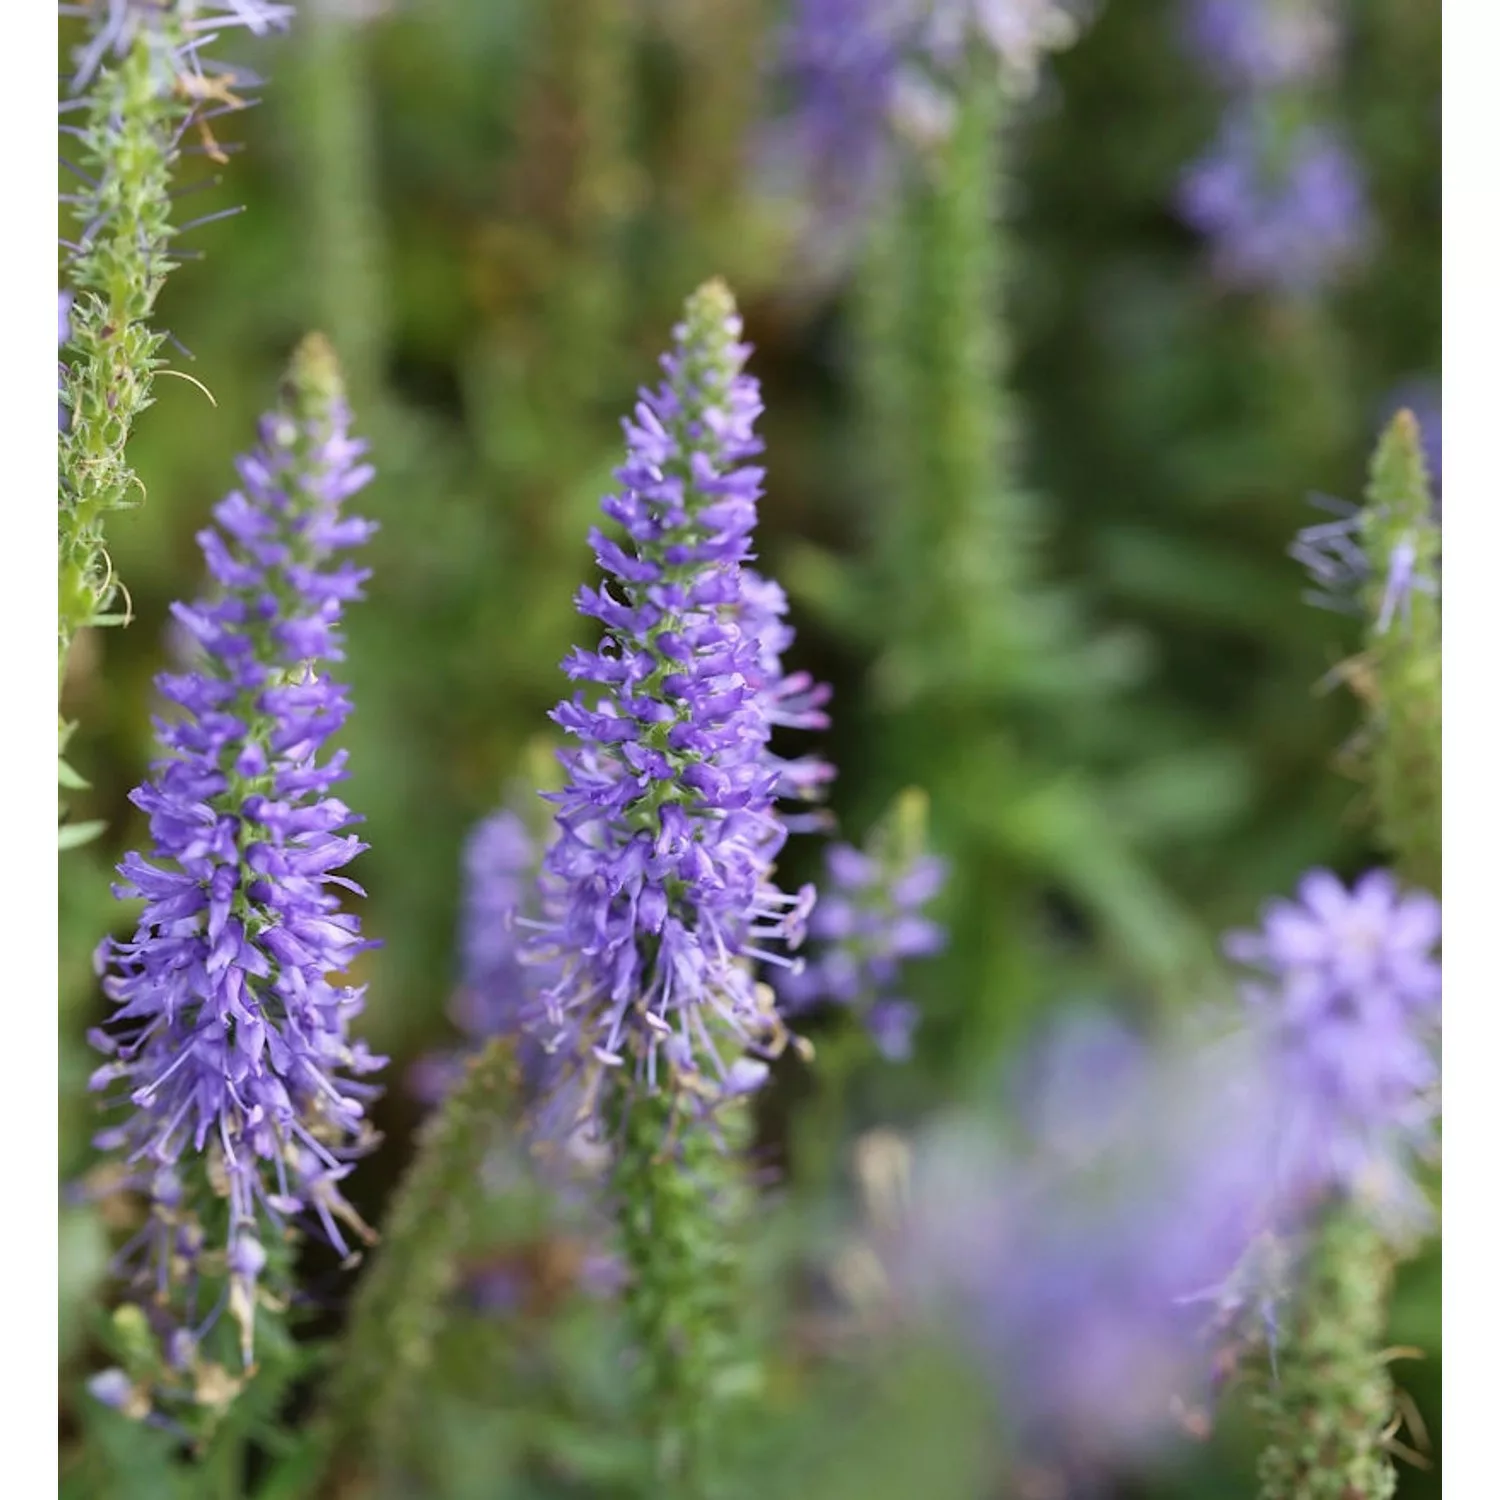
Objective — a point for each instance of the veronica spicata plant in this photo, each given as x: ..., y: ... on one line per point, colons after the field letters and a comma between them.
x: 658, y: 887
x: 1348, y: 997
x: 230, y: 1057
x: 667, y: 828
x: 140, y: 86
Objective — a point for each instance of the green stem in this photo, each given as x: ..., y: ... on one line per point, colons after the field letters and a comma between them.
x: 331, y: 94
x: 1329, y: 1401
x: 398, y: 1307
x: 128, y: 150
x: 682, y: 1206
x: 980, y: 677
x: 1404, y: 688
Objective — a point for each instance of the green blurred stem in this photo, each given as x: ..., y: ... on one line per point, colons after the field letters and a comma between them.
x: 1328, y: 1404
x: 982, y: 665
x: 331, y: 99
x: 398, y: 1307
x: 1405, y: 683
x: 939, y: 411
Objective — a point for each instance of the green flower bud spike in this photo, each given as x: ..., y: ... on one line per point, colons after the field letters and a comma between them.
x: 1403, y: 685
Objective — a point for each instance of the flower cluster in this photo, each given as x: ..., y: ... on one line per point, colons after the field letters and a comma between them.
x: 1263, y: 43
x: 1151, y: 1209
x: 229, y: 1045
x: 658, y: 885
x: 864, y: 73
x: 1348, y: 993
x: 868, y: 923
x: 1070, y: 1259
x: 501, y: 899
x: 1277, y: 195
x: 841, y: 62
x: 186, y: 25
x: 1284, y: 219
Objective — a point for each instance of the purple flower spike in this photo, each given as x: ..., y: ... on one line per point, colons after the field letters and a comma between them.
x: 658, y: 886
x: 869, y: 922
x: 1256, y: 44
x: 502, y: 904
x: 842, y: 63
x: 229, y: 1045
x: 501, y: 864
x: 1349, y: 998
x: 864, y: 75
x: 1286, y: 221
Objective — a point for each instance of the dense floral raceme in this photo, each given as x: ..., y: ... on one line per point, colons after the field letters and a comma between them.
x: 229, y: 1047
x: 1349, y: 998
x: 1278, y: 195
x: 1151, y: 1210
x: 869, y: 922
x: 659, y: 885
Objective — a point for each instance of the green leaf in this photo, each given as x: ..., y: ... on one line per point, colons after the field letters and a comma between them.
x: 69, y: 778
x: 71, y: 835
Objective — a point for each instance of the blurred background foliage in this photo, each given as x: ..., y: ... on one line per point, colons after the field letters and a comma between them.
x: 495, y: 207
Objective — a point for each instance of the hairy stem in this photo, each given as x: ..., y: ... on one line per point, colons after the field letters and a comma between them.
x: 1328, y: 1403
x: 682, y: 1202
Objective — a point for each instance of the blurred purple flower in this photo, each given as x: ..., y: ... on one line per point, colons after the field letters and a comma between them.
x: 1286, y: 221
x: 1258, y: 44
x: 868, y: 923
x: 1349, y: 999
x: 501, y: 901
x: 840, y: 61
x: 1070, y: 1266
x: 863, y: 74
x: 501, y: 864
